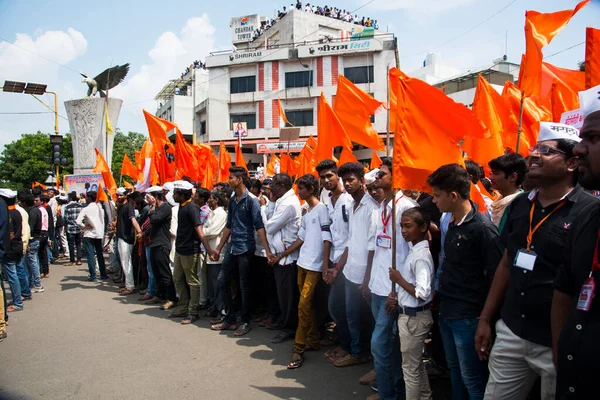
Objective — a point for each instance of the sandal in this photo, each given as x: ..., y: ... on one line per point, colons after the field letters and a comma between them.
x: 297, y: 361
x: 331, y: 355
x: 349, y: 360
x: 328, y: 342
x: 224, y: 326
x: 190, y: 319
x: 127, y: 292
x: 12, y: 308
x: 242, y: 330
x: 78, y: 263
x: 177, y: 314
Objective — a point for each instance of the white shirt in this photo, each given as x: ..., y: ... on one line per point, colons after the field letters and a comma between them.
x: 314, y: 231
x: 380, y: 283
x: 259, y: 248
x: 417, y: 270
x: 26, y: 230
x: 173, y: 230
x: 92, y: 215
x: 361, y: 238
x: 282, y: 228
x: 213, y: 229
x: 54, y: 207
x: 339, y: 218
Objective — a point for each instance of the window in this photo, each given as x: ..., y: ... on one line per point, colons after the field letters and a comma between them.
x: 359, y: 74
x: 202, y: 127
x: 298, y: 79
x: 243, y: 84
x: 249, y: 119
x: 300, y: 117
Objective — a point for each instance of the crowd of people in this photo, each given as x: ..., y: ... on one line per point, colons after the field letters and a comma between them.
x: 331, y: 12
x: 195, y: 65
x: 492, y: 290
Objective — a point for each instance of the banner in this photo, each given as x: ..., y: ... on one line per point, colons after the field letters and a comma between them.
x: 83, y: 183
x: 279, y: 147
x: 239, y: 129
x: 243, y: 28
x: 332, y: 49
x: 572, y: 118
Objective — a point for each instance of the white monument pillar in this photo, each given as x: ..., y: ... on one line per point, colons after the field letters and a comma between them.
x: 88, y: 130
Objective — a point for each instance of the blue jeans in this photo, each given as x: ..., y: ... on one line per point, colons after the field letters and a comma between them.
x: 468, y: 375
x: 94, y: 247
x: 32, y: 263
x: 9, y: 270
x: 151, y: 290
x: 23, y: 279
x: 337, y: 310
x: 385, y: 347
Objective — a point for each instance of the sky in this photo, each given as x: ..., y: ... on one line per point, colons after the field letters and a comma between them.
x: 51, y: 42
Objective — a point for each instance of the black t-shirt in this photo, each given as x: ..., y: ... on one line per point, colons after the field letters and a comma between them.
x: 160, y: 221
x: 14, y: 251
x: 187, y: 241
x: 124, y: 225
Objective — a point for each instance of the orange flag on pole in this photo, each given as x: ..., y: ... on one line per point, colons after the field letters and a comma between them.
x: 127, y: 168
x: 36, y: 183
x: 224, y: 163
x: 311, y: 142
x: 540, y: 29
x: 273, y: 161
x: 157, y: 130
x: 185, y: 159
x: 592, y: 57
x: 288, y: 165
x: 375, y: 160
x: 127, y: 184
x: 346, y: 156
x: 330, y: 132
x: 282, y: 113
x: 485, y: 109
x: 239, y: 157
x: 429, y: 126
x: 355, y: 107
x: 102, y: 167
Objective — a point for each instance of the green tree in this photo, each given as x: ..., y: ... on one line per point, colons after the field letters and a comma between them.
x: 28, y: 159
x: 125, y: 144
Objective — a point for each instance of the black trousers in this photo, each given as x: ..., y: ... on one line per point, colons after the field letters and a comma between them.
x: 74, y: 241
x: 215, y: 294
x: 273, y: 310
x: 241, y: 264
x: 286, y: 279
x: 159, y: 256
x: 43, y: 253
x: 258, y: 293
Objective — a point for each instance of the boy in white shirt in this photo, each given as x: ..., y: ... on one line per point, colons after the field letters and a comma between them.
x: 414, y: 297
x: 313, y: 235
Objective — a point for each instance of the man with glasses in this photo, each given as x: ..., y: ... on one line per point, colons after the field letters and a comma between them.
x: 534, y: 236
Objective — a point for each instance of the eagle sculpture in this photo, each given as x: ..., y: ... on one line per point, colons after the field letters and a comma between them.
x: 107, y: 80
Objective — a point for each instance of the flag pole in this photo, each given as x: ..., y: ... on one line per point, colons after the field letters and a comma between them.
x: 394, y: 237
x: 519, y: 131
x: 387, y: 139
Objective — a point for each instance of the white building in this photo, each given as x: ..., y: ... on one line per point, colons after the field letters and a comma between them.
x: 294, y: 60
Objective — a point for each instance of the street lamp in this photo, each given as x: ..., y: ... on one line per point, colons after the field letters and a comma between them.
x: 34, y: 89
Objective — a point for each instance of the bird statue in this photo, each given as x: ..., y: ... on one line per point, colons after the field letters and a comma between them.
x: 106, y: 80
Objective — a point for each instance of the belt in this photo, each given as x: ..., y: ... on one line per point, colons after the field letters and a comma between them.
x: 412, y: 311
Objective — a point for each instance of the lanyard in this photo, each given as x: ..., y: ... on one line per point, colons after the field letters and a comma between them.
x: 532, y: 231
x: 386, y: 219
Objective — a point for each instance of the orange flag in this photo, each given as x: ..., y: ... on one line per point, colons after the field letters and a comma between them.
x: 224, y: 164
x: 346, y: 156
x: 477, y: 198
x: 540, y: 29
x: 287, y: 166
x: 307, y: 159
x: 185, y: 159
x: 148, y: 166
x: 311, y: 142
x: 127, y: 168
x: 166, y: 164
x: 282, y: 113
x: 270, y: 169
x: 58, y: 180
x: 36, y: 183
x: 592, y: 57
x: 429, y: 126
x: 157, y: 130
x: 355, y: 107
x: 375, y: 160
x: 127, y: 184
x: 560, y: 89
x: 330, y: 131
x: 102, y: 167
x: 101, y: 194
x: 485, y: 109
x: 239, y: 157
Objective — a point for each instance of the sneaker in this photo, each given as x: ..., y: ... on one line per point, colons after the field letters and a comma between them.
x: 37, y: 289
x: 373, y: 385
x: 91, y: 280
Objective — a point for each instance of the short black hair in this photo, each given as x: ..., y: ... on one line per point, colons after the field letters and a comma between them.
x: 418, y: 215
x: 92, y: 196
x: 567, y: 145
x: 255, y: 184
x: 355, y: 168
x: 136, y: 195
x: 10, y: 201
x: 510, y: 163
x: 220, y: 196
x: 159, y: 195
x: 73, y: 196
x: 327, y: 165
x: 284, y: 180
x: 203, y: 193
x: 227, y: 192
x: 307, y: 181
x: 267, y: 181
x: 451, y: 178
x: 22, y: 193
x: 26, y: 198
x: 474, y: 170
x: 186, y: 194
x: 387, y: 161
x: 238, y: 172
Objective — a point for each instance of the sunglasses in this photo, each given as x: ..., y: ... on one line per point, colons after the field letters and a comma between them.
x: 381, y: 174
x: 545, y: 150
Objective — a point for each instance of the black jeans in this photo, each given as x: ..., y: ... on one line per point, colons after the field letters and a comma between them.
x: 159, y: 256
x: 215, y: 294
x: 286, y: 279
x: 241, y: 263
x: 74, y: 241
x: 43, y: 253
x: 273, y: 310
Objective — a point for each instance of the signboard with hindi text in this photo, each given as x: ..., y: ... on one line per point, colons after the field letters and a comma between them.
x: 280, y: 147
x: 332, y: 49
x: 572, y: 118
x: 83, y: 183
x: 243, y: 28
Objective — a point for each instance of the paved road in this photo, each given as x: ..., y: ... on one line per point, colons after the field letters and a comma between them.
x: 80, y: 340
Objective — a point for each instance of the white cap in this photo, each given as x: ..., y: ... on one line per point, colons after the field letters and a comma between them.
x: 370, y: 176
x: 8, y: 193
x: 154, y: 189
x: 169, y: 186
x: 555, y: 131
x: 589, y: 101
x: 121, y: 190
x: 183, y: 185
x: 63, y: 197
x: 170, y: 199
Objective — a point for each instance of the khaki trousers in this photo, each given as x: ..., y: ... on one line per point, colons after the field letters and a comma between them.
x: 185, y: 277
x: 413, y: 332
x: 307, y: 333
